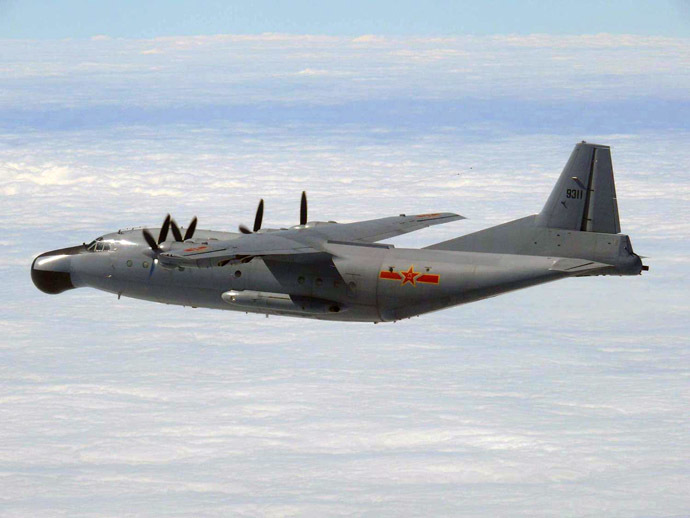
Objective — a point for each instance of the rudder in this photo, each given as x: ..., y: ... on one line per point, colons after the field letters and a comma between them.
x: 584, y: 197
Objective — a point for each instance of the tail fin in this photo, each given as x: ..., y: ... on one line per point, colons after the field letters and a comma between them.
x: 579, y: 220
x: 584, y: 197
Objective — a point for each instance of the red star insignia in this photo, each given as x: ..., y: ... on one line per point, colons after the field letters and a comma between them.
x: 409, y: 276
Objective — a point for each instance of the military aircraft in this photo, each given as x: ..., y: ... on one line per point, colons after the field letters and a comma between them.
x: 333, y: 271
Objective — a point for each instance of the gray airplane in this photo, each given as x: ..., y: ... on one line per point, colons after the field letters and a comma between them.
x: 333, y: 271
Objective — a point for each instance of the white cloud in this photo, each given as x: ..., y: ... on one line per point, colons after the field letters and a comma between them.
x: 369, y: 38
x: 318, y: 72
x: 223, y: 68
x: 546, y: 399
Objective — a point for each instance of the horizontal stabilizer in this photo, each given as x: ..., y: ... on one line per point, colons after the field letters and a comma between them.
x: 576, y: 266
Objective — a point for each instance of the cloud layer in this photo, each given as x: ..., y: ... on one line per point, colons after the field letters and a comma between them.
x: 567, y: 399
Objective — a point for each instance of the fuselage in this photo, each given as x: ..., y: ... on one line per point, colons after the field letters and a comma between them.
x: 364, y: 282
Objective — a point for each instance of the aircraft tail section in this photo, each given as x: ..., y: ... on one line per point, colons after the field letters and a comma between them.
x: 584, y: 197
x: 579, y: 220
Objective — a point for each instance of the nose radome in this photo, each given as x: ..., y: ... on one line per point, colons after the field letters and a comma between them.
x: 50, y: 271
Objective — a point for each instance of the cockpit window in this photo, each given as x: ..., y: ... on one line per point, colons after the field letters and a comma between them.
x: 98, y: 245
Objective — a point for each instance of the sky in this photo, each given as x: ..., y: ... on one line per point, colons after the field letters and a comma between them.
x: 45, y: 19
x: 568, y: 399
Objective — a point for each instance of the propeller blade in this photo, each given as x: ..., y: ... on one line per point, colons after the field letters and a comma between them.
x: 245, y: 230
x: 259, y: 216
x: 303, y: 209
x: 175, y: 230
x: 164, y: 230
x: 190, y: 231
x: 153, y: 265
x: 150, y: 240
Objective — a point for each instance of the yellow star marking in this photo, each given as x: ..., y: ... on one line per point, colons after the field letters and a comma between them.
x: 409, y: 276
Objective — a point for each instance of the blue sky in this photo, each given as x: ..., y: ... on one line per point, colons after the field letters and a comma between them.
x: 135, y: 19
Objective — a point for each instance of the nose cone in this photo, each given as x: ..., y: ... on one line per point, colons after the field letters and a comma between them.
x: 50, y: 272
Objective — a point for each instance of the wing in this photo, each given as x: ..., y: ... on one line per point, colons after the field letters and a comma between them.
x: 377, y: 229
x: 238, y: 250
x: 297, y: 244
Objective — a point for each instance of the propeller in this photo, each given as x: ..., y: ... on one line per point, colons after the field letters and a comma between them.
x: 260, y: 215
x: 155, y: 245
x: 175, y: 230
x: 164, y: 230
x: 303, y: 209
x: 189, y: 233
x: 257, y: 219
x: 169, y: 224
x: 150, y: 241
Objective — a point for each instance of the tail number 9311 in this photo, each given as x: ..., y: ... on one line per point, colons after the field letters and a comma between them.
x: 576, y: 194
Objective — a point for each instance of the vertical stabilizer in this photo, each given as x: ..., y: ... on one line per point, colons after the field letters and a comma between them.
x: 579, y: 222
x: 584, y: 197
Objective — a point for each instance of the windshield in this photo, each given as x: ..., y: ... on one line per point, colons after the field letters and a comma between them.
x: 98, y: 245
